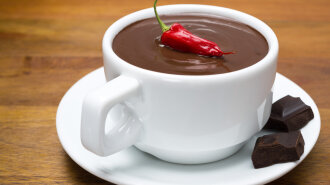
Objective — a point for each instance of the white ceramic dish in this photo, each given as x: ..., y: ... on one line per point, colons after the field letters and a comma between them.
x: 131, y: 166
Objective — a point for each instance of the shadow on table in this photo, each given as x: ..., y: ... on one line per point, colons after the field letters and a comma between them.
x: 81, y: 176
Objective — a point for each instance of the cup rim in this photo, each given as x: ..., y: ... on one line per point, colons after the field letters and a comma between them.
x: 236, y: 15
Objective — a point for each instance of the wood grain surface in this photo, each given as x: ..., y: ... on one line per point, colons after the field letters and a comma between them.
x: 47, y: 45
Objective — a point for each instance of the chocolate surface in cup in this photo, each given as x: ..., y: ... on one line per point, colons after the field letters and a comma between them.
x: 139, y: 44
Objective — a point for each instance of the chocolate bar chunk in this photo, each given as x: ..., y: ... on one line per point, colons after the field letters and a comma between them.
x: 277, y: 148
x: 289, y: 114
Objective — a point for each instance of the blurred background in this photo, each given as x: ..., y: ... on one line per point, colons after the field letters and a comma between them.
x: 47, y: 45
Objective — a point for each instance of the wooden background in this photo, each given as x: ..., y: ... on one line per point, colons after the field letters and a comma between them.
x: 46, y: 46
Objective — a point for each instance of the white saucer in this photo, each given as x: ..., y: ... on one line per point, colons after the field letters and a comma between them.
x: 132, y: 166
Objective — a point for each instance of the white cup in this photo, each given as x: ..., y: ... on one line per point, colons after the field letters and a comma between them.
x: 179, y: 118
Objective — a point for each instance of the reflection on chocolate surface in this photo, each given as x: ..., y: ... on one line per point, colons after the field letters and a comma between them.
x: 139, y: 44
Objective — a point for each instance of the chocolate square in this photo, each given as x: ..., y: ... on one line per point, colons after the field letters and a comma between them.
x: 289, y: 114
x: 277, y: 148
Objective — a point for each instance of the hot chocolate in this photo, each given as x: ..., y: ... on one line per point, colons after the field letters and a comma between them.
x: 139, y: 44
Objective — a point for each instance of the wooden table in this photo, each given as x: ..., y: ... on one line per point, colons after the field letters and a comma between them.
x: 46, y: 46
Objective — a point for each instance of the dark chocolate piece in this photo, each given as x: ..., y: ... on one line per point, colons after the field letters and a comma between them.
x: 289, y: 114
x: 277, y: 148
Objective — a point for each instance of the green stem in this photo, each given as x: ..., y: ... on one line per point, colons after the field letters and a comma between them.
x: 162, y: 25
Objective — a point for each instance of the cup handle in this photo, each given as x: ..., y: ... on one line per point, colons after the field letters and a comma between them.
x: 95, y: 108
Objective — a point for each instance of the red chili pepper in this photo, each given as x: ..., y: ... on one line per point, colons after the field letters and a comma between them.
x: 178, y: 38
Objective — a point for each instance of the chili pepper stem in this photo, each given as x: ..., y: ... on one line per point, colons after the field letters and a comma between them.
x: 161, y: 23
